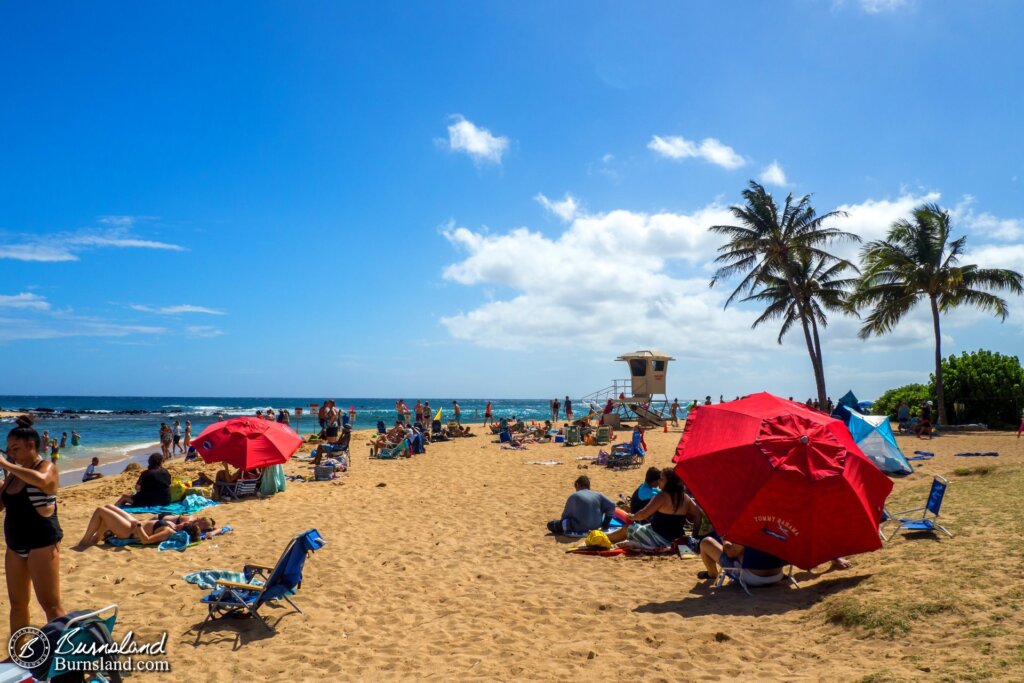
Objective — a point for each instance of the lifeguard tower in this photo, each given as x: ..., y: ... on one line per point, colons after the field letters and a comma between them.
x: 642, y: 396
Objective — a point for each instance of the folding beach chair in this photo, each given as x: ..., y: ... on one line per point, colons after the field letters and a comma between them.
x: 627, y: 455
x: 735, y: 574
x: 279, y: 582
x: 572, y: 435
x: 400, y: 448
x: 604, y: 435
x: 236, y: 490
x: 923, y: 518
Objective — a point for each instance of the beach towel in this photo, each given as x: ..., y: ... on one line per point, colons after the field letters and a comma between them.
x: 189, y: 506
x: 207, y: 578
x: 921, y: 455
x: 990, y: 454
x: 615, y: 524
x: 178, y: 541
x: 272, y: 481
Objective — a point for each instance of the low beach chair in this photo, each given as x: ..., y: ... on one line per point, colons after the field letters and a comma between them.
x: 236, y: 490
x: 735, y: 575
x: 572, y: 435
x: 627, y: 455
x: 604, y: 435
x: 399, y: 449
x: 279, y: 582
x: 923, y: 518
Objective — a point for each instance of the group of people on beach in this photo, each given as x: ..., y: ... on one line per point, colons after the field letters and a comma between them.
x: 661, y: 515
x: 173, y: 440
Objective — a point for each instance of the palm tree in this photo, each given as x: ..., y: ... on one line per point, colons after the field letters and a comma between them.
x: 917, y: 262
x: 819, y: 286
x: 768, y: 244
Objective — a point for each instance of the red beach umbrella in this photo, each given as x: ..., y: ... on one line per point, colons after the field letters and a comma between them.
x: 247, y: 442
x: 782, y: 478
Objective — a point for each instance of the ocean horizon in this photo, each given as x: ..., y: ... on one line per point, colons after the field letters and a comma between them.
x: 123, y: 429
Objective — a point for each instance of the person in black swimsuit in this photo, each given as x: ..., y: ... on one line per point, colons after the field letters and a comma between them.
x: 667, y: 513
x: 110, y: 520
x: 31, y: 528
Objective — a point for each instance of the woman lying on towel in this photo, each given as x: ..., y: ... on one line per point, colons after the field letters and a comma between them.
x: 112, y: 521
x: 667, y: 513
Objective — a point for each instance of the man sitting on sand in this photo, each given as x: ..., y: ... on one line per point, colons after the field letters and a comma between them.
x: 584, y: 511
x: 153, y: 486
x: 756, y: 568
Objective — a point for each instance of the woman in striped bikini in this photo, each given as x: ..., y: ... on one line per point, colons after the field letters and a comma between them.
x: 31, y: 528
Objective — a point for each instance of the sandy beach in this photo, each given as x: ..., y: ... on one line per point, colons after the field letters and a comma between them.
x: 440, y: 567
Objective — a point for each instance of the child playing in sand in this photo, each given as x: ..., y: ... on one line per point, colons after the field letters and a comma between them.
x: 90, y: 471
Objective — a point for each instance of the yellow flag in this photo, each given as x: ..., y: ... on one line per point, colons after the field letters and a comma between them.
x: 440, y: 411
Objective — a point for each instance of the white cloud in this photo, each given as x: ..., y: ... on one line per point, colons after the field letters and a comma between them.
x: 996, y: 256
x: 117, y: 240
x: 609, y: 281
x: 879, y: 6
x: 479, y: 143
x: 25, y: 300
x: 985, y: 224
x: 175, y: 310
x: 43, y: 253
x: 872, y: 218
x: 566, y: 209
x: 772, y: 174
x: 66, y: 246
x: 22, y: 329
x: 709, y: 149
x: 203, y: 331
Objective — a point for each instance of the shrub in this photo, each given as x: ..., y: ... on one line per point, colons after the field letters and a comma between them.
x: 914, y: 394
x: 983, y: 386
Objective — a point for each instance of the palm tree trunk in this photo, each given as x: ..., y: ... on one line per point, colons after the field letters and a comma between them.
x: 939, y: 399
x: 819, y: 364
x: 819, y: 375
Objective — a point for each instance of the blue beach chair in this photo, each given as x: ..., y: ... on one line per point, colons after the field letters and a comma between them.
x: 628, y: 455
x: 279, y: 582
x: 923, y: 518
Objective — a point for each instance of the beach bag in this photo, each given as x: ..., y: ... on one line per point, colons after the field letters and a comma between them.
x: 597, y: 539
x: 179, y: 489
x: 204, y: 491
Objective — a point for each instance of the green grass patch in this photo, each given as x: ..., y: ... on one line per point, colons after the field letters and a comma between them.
x: 979, y: 471
x: 888, y: 619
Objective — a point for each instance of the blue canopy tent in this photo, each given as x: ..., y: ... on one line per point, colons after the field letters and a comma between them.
x: 847, y: 404
x: 873, y: 434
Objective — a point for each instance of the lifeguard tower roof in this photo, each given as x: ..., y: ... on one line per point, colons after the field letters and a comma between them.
x: 647, y: 354
x: 647, y: 370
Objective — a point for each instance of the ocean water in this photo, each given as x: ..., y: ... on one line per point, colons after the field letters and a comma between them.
x: 121, y: 429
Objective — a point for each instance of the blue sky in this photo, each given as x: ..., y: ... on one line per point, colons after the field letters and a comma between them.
x: 472, y: 198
